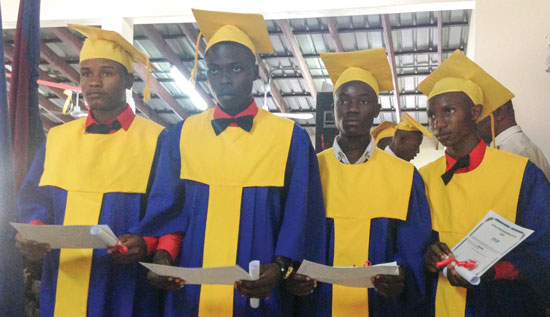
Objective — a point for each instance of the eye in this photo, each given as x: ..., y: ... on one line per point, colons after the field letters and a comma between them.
x: 237, y: 68
x: 108, y: 73
x: 431, y: 116
x: 342, y: 101
x: 212, y: 70
x: 449, y: 111
x: 85, y: 74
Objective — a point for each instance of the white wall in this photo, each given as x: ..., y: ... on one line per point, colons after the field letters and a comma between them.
x: 512, y: 39
x: 428, y: 153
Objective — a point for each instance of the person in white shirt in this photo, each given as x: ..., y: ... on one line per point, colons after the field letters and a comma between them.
x: 510, y: 137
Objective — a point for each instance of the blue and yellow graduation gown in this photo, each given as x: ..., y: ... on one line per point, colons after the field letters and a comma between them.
x: 237, y: 196
x: 82, y: 178
x: 376, y: 211
x: 514, y: 188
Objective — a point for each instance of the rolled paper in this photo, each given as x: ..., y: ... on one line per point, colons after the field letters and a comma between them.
x: 466, y: 274
x: 109, y: 240
x: 254, y: 271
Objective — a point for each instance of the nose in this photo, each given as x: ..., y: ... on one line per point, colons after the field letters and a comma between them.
x: 353, y: 107
x: 226, y: 77
x: 438, y: 123
x: 95, y: 80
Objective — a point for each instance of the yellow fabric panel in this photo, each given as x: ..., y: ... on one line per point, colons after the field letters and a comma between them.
x: 221, y: 240
x: 352, y: 198
x: 73, y: 278
x: 227, y: 163
x: 100, y: 163
x: 236, y: 157
x: 351, y: 247
x: 456, y: 208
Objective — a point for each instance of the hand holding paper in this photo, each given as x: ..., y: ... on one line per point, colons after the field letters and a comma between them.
x: 30, y: 249
x: 347, y: 276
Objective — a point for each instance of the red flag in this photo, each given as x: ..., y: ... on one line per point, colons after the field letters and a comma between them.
x: 26, y: 127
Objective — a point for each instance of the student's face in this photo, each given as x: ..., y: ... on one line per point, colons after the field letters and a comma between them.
x: 231, y: 73
x: 452, y: 117
x: 382, y: 143
x: 104, y: 83
x: 355, y: 107
x: 407, y: 144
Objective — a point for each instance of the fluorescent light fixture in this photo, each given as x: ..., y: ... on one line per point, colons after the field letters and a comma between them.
x: 299, y: 116
x: 188, y: 89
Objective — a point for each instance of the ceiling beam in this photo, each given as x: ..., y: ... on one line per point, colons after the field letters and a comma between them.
x: 157, y: 88
x: 439, y: 37
x: 52, y: 108
x: 47, y: 124
x: 265, y: 75
x: 154, y: 35
x: 284, y: 25
x: 333, y: 30
x: 388, y: 40
x: 57, y: 62
x: 147, y: 111
x: 191, y: 34
x: 68, y: 38
x: 9, y: 51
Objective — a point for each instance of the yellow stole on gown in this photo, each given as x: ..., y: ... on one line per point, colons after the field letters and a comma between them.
x: 354, y: 194
x: 457, y: 207
x: 228, y: 162
x: 88, y: 166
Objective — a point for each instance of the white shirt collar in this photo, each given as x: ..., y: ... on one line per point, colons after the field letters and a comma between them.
x: 341, y: 156
x: 499, y: 139
x: 389, y: 150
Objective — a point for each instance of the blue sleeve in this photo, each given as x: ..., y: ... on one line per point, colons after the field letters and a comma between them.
x: 302, y: 231
x: 164, y: 214
x: 34, y: 202
x: 413, y: 237
x: 532, y: 256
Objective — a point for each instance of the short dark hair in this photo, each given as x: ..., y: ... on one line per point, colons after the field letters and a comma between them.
x: 249, y: 52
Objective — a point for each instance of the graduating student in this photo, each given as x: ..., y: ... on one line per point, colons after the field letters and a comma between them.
x: 95, y: 170
x: 376, y: 207
x: 510, y: 137
x: 470, y: 180
x: 407, y: 138
x: 240, y: 183
x: 383, y: 134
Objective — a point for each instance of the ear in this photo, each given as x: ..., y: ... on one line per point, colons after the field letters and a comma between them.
x: 377, y: 109
x: 256, y: 71
x: 130, y: 81
x: 475, y: 111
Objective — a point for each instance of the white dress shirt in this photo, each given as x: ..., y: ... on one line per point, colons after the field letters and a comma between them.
x: 341, y: 156
x: 387, y: 149
x: 514, y: 140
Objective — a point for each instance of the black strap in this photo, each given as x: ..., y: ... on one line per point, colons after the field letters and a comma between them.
x: 245, y: 122
x: 100, y: 128
x: 461, y: 163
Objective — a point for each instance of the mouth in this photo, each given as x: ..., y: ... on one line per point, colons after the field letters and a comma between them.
x: 94, y: 95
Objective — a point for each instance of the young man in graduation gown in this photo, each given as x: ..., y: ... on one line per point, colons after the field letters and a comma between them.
x: 383, y: 134
x: 376, y: 207
x: 407, y: 139
x: 240, y: 183
x: 95, y: 170
x: 510, y: 137
x: 472, y: 179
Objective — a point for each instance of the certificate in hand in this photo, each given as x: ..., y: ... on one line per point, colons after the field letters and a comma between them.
x: 346, y: 275
x: 65, y: 237
x: 490, y: 240
x: 225, y: 275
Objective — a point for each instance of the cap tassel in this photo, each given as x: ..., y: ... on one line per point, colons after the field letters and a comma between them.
x: 193, y: 78
x: 493, y: 129
x: 147, y: 89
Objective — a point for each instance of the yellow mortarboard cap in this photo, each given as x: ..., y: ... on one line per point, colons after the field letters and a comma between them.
x: 409, y: 124
x: 385, y: 129
x: 369, y: 66
x: 459, y: 73
x: 111, y: 45
x: 243, y: 28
